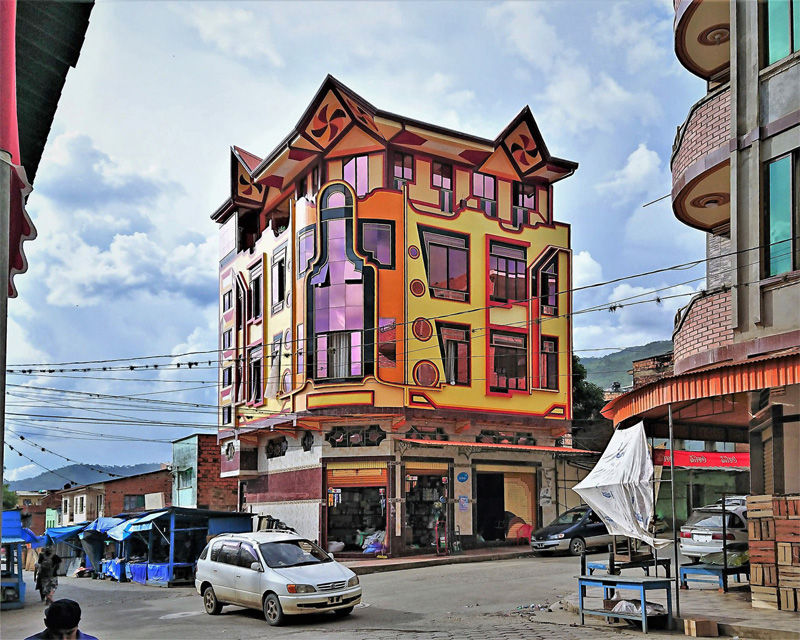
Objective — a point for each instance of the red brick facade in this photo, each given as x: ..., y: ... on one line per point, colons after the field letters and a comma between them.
x: 707, y: 129
x: 303, y: 484
x: 704, y: 325
x: 153, y: 482
x: 213, y: 492
x: 649, y: 370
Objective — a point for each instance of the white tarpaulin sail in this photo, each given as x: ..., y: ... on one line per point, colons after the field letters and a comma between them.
x: 618, y: 489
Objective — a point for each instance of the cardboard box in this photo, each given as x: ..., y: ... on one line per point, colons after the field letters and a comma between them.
x: 700, y: 628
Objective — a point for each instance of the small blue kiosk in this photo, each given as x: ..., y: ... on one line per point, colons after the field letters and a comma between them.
x: 13, y: 584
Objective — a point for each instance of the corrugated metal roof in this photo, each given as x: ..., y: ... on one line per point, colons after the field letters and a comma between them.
x: 49, y: 40
x: 762, y: 372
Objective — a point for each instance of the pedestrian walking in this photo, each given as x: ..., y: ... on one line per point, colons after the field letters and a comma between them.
x: 61, y: 620
x: 45, y: 574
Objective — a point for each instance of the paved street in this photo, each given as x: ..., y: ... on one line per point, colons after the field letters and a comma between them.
x: 476, y: 600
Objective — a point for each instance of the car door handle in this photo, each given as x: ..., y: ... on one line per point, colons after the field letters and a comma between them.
x: 238, y: 575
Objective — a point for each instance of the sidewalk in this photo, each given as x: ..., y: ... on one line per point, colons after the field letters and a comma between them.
x: 375, y: 565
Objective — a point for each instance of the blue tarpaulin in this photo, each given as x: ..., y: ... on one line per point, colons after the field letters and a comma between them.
x: 158, y: 572
x: 143, y: 523
x: 60, y: 534
x: 34, y: 540
x: 101, y: 525
x: 138, y: 573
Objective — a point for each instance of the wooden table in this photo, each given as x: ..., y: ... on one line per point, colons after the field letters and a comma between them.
x: 641, y: 585
x: 666, y: 563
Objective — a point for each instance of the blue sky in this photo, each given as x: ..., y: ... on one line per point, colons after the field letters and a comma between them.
x: 125, y: 261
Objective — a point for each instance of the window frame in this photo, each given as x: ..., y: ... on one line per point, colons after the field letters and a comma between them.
x: 370, y: 255
x: 329, y: 375
x: 255, y: 382
x: 794, y: 215
x: 549, y: 379
x: 256, y: 306
x: 445, y: 202
x: 494, y: 247
x: 399, y: 181
x: 522, y: 210
x: 360, y: 188
x: 301, y: 257
x: 451, y: 333
x: 546, y: 295
x: 489, y: 205
x: 278, y: 280
x: 227, y: 300
x: 227, y: 339
x: 227, y: 414
x: 227, y: 376
x: 492, y: 361
x: 792, y: 25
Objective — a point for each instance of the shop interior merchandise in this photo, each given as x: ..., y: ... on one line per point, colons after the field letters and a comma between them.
x: 356, y: 519
x: 426, y: 503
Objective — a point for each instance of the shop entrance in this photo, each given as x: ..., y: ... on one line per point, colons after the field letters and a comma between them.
x: 426, y: 505
x: 356, y: 508
x: 491, y: 506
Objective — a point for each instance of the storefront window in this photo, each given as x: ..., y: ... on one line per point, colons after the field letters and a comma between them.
x: 356, y: 519
x: 426, y: 505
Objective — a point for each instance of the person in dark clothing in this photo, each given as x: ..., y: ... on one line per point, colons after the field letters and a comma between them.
x: 61, y: 621
x: 46, y: 576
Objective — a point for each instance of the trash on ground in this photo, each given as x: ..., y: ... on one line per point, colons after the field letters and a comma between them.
x: 635, y: 606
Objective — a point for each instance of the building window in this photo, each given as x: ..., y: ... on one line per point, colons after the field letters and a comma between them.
x: 227, y: 376
x: 254, y: 389
x: 276, y: 448
x: 783, y: 28
x: 548, y: 367
x: 548, y: 288
x: 442, y: 179
x: 227, y: 300
x: 783, y: 215
x: 99, y: 503
x: 403, y: 169
x: 305, y: 250
x: 505, y: 437
x: 387, y: 343
x: 524, y: 203
x: 425, y: 432
x: 131, y: 502
x: 356, y: 174
x: 484, y: 188
x: 79, y: 504
x: 370, y: 436
x: 240, y: 310
x: 185, y: 478
x: 278, y: 280
x: 301, y: 347
x: 508, y: 362
x: 376, y: 241
x: 447, y: 262
x: 227, y: 414
x: 507, y: 273
x: 455, y: 349
x: 255, y: 292
x: 227, y: 339
x: 338, y: 354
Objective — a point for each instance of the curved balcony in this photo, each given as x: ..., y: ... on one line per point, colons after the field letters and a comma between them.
x: 701, y: 163
x: 702, y: 36
x: 702, y: 330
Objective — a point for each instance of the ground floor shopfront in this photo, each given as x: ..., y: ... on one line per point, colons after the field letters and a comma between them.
x: 406, y: 497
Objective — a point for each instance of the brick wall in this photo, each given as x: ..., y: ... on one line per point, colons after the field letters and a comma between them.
x: 708, y: 128
x: 649, y: 370
x: 301, y: 484
x: 706, y: 324
x: 213, y: 492
x: 720, y: 263
x: 153, y: 482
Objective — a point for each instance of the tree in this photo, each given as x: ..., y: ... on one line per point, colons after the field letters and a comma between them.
x: 587, y: 397
x: 9, y: 497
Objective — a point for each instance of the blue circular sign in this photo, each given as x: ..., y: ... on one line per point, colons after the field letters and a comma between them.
x: 462, y: 477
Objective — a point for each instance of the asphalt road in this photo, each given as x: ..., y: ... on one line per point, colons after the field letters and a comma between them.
x: 477, y: 600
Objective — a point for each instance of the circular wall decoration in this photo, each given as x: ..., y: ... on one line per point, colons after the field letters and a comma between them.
x: 711, y: 200
x: 287, y: 340
x: 413, y: 252
x: 426, y: 374
x: 286, y: 381
x: 422, y: 329
x: 715, y: 35
x: 417, y: 288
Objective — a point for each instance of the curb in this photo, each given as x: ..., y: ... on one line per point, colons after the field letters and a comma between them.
x: 725, y: 628
x: 435, y: 561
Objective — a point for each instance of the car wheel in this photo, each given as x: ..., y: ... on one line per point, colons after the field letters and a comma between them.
x: 341, y: 613
x: 577, y: 546
x: 210, y: 602
x: 273, y: 611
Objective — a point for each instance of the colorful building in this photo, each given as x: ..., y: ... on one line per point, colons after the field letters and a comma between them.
x: 394, y: 327
x: 736, y: 177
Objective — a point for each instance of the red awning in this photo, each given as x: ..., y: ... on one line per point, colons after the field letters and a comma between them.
x: 492, y: 445
x: 703, y: 460
x: 763, y: 372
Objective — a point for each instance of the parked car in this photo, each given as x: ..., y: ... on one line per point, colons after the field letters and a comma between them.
x: 574, y: 531
x: 280, y: 573
x: 702, y: 532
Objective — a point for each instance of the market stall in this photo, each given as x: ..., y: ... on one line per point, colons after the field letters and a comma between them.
x: 356, y: 506
x: 12, y: 586
x: 426, y: 486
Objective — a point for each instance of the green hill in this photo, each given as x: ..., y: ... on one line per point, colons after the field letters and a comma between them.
x: 80, y: 474
x: 615, y: 366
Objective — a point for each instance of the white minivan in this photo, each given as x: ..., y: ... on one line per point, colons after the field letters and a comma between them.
x: 275, y: 571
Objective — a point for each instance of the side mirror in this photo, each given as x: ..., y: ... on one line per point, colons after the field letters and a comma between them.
x: 330, y: 555
x: 256, y: 566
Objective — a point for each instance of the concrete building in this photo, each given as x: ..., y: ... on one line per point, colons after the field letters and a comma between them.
x: 196, y: 475
x: 736, y: 177
x: 394, y: 327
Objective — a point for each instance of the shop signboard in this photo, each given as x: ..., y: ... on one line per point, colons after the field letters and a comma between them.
x: 703, y: 459
x: 463, y: 503
x: 463, y: 476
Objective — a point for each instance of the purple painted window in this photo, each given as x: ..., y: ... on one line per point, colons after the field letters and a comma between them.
x: 356, y: 174
x: 377, y: 241
x: 442, y: 176
x: 322, y: 356
x: 305, y: 250
x: 524, y: 195
x: 301, y: 347
x: 335, y: 200
x: 448, y: 268
x: 483, y: 186
x: 387, y: 343
x: 507, y: 273
x: 403, y: 168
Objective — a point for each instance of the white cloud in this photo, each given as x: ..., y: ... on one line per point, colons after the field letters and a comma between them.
x: 642, y: 174
x: 586, y: 269
x: 25, y: 471
x: 646, y: 42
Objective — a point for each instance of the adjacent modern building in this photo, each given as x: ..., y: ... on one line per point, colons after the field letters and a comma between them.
x: 394, y: 328
x: 736, y: 177
x: 196, y: 482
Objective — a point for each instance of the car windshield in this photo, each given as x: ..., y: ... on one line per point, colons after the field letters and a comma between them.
x: 569, y: 517
x: 712, y: 520
x: 292, y: 553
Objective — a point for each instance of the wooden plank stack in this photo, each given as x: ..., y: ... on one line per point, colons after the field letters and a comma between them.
x: 773, y: 524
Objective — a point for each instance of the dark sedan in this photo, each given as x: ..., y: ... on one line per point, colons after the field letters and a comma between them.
x: 574, y: 531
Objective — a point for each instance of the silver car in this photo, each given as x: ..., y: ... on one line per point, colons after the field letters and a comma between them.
x: 278, y: 572
x: 702, y: 532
